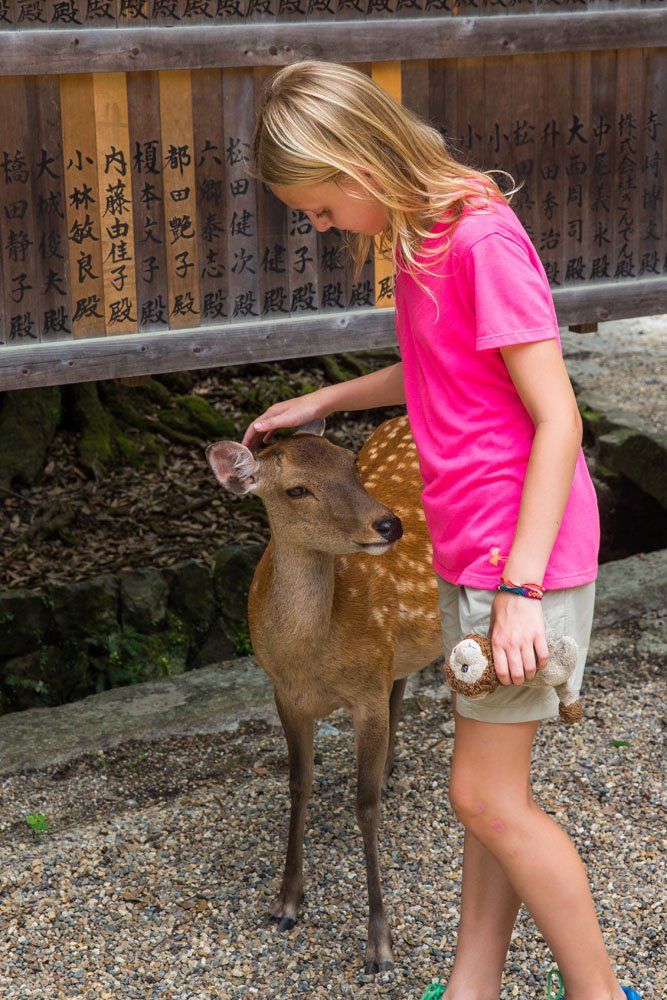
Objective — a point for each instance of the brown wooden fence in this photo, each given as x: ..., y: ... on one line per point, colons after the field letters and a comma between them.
x: 133, y: 240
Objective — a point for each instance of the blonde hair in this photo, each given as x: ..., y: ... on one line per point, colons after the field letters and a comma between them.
x: 323, y: 121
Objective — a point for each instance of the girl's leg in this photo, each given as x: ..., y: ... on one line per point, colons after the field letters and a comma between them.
x: 490, y: 794
x: 489, y: 906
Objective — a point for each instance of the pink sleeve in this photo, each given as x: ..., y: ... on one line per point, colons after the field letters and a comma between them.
x: 512, y: 298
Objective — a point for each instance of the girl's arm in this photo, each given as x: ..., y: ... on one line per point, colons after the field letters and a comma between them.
x: 517, y: 623
x: 380, y: 388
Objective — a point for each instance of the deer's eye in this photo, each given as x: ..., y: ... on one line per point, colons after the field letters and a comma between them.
x: 297, y: 491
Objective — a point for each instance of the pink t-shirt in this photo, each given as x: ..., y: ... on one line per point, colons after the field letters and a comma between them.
x: 471, y: 429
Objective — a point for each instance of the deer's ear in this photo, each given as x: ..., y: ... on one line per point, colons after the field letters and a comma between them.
x: 234, y: 466
x: 312, y: 427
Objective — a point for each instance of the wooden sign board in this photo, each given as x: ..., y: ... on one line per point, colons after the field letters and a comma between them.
x: 133, y: 239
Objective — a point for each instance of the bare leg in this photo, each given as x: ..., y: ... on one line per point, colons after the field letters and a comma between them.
x: 395, y: 705
x: 372, y: 738
x: 299, y: 732
x: 489, y: 792
x: 489, y: 907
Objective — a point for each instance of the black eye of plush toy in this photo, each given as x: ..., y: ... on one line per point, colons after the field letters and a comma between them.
x: 464, y: 668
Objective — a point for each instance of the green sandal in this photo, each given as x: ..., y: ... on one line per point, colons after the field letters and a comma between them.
x: 554, y: 977
x: 435, y: 991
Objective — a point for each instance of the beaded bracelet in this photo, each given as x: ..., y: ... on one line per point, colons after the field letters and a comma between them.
x: 533, y: 590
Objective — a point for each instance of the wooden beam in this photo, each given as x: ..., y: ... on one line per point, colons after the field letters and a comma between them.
x: 272, y: 340
x: 265, y: 43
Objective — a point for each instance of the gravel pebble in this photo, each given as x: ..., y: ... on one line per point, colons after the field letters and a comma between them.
x: 162, y: 858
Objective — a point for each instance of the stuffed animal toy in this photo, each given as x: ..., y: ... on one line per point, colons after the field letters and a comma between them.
x: 470, y: 671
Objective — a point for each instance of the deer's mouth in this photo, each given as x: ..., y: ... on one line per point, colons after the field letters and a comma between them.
x: 380, y: 544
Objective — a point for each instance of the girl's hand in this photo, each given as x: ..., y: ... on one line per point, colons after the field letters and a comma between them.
x: 287, y: 413
x: 518, y: 638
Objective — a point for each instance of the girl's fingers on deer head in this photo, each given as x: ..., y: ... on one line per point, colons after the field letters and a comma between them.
x: 250, y: 438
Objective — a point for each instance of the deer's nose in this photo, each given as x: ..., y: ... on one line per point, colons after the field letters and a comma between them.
x: 389, y: 527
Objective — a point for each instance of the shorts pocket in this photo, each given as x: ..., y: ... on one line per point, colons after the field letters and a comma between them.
x: 555, y: 611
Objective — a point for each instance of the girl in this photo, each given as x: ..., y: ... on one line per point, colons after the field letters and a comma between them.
x: 509, y: 504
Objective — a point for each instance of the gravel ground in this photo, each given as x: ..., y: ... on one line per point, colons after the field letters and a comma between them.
x: 162, y: 858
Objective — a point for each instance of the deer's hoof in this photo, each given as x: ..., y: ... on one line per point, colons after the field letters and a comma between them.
x: 372, y: 968
x: 286, y: 924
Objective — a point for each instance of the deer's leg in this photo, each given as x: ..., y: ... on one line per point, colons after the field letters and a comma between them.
x: 395, y: 705
x: 299, y: 731
x: 372, y: 740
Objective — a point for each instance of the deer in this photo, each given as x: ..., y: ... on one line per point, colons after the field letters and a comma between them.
x: 342, y: 609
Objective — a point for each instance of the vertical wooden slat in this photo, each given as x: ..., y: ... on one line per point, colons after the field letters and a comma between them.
x: 555, y: 112
x: 442, y: 101
x: 351, y: 10
x: 524, y: 139
x: 602, y: 189
x: 628, y: 114
x: 209, y: 144
x: 165, y: 13
x: 133, y: 13
x: 21, y: 268
x: 31, y: 14
x: 241, y: 214
x: 115, y: 186
x: 83, y: 204
x: 180, y: 209
x: 143, y: 99
x: 470, y: 96
x: 576, y: 165
x: 497, y: 150
x: 654, y: 177
x: 378, y: 9
x: 50, y: 220
x: 388, y: 76
x: 271, y: 234
x: 361, y: 294
x: 7, y: 15
x: 100, y: 13
x: 261, y: 10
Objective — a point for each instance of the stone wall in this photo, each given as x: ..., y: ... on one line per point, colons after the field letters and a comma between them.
x: 76, y: 639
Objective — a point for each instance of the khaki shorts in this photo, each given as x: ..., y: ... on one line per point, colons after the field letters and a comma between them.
x: 466, y: 609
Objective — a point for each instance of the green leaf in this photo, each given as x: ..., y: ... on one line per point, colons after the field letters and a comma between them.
x: 619, y: 743
x: 37, y: 822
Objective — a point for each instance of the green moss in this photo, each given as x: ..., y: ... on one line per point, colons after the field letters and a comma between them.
x: 92, y: 420
x: 243, y: 646
x: 193, y: 418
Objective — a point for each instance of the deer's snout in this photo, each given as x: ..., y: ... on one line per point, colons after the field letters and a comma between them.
x: 390, y: 528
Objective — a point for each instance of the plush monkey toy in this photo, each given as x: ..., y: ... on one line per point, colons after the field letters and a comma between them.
x: 470, y: 671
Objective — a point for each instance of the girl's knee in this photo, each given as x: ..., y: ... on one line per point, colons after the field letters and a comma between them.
x: 483, y: 809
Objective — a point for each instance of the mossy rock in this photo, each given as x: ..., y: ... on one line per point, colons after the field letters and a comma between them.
x: 233, y: 571
x: 24, y: 619
x: 638, y: 455
x: 143, y: 599
x: 51, y: 675
x: 88, y: 608
x: 29, y: 419
x: 191, y: 594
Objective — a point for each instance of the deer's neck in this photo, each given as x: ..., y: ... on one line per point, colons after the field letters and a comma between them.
x: 301, y: 593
